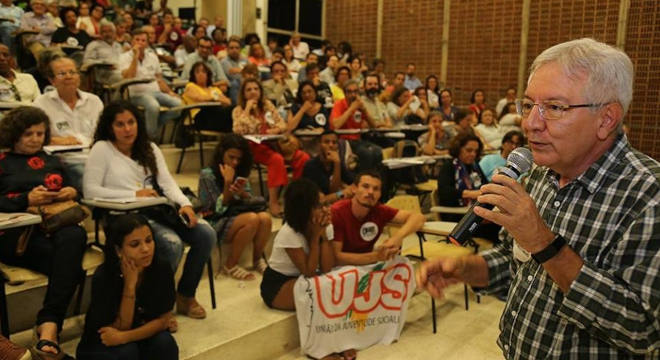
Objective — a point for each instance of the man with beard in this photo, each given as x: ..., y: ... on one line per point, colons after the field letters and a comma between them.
x: 375, y: 108
x: 327, y: 172
x: 15, y: 86
x: 359, y: 221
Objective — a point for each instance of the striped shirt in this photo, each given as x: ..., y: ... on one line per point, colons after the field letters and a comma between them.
x: 610, y: 216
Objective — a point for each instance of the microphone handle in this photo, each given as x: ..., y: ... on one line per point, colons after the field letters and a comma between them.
x: 468, y: 225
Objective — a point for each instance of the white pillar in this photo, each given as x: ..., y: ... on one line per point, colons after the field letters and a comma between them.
x: 235, y: 17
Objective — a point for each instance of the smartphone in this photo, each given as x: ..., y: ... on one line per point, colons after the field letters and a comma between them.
x: 240, y: 181
x: 184, y: 219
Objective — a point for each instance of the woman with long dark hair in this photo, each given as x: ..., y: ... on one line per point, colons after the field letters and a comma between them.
x: 132, y: 297
x: 123, y: 163
x: 223, y: 184
x: 432, y: 92
x: 307, y: 112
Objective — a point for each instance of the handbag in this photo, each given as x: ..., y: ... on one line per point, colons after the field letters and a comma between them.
x: 59, y: 214
x: 252, y: 204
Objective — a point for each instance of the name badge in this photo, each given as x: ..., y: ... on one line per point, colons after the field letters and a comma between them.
x: 357, y: 117
x: 269, y: 118
x: 368, y: 231
x: 320, y: 119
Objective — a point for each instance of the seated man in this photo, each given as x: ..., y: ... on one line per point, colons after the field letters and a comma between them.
x: 73, y: 115
x: 107, y: 50
x: 281, y: 87
x: 12, y: 14
x: 15, y: 86
x: 141, y: 62
x: 359, y: 221
x: 186, y: 48
x: 327, y: 171
x: 203, y: 54
x: 349, y: 113
x: 375, y: 108
x: 70, y: 34
x: 510, y: 142
x: 232, y: 64
x: 40, y: 21
x: 322, y: 88
x: 311, y: 58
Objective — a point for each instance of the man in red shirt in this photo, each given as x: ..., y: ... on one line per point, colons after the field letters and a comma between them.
x: 359, y: 221
x: 349, y: 113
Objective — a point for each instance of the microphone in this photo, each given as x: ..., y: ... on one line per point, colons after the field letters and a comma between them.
x: 517, y: 163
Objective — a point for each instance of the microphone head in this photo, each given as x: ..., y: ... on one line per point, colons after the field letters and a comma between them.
x: 520, y: 159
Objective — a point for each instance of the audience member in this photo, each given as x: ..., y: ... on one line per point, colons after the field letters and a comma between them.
x: 341, y: 77
x: 375, y: 108
x: 107, y: 50
x: 122, y: 32
x: 432, y: 92
x: 41, y: 22
x: 74, y: 114
x: 254, y: 114
x: 359, y: 221
x: 477, y: 102
x: 300, y: 48
x: 218, y: 23
x: 378, y: 67
x: 15, y: 86
x: 322, y: 88
x: 224, y: 184
x: 280, y: 88
x: 328, y: 74
x: 489, y: 130
x: 350, y: 114
x: 257, y: 55
x: 84, y: 22
x: 201, y: 89
x: 95, y: 15
x: 219, y: 37
x: 405, y: 108
x: 132, y: 298
x: 232, y: 66
x: 355, y: 64
x: 397, y: 81
x: 276, y: 55
x: 69, y: 34
x: 509, y: 98
x: 509, y: 119
x: 141, y: 62
x: 460, y: 178
x: 203, y: 54
x: 420, y: 92
x: 169, y: 35
x: 163, y: 55
x: 13, y: 15
x: 448, y: 109
x: 307, y: 112
x: 186, y: 48
x: 123, y: 163
x: 491, y: 162
x: 411, y: 82
x: 30, y: 177
x: 436, y: 140
x: 327, y: 171
x: 301, y: 247
x: 53, y: 10
x: 310, y: 59
x: 291, y: 62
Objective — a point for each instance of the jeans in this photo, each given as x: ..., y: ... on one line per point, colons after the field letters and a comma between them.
x: 161, y: 346
x: 59, y: 256
x: 152, y: 102
x: 169, y: 246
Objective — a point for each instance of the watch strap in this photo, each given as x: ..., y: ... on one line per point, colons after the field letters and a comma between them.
x: 550, y: 251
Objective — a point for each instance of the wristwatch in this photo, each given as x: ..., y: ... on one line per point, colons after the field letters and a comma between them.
x: 550, y: 251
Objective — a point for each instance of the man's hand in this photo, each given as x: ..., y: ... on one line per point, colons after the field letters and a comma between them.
x: 333, y: 156
x: 436, y: 274
x: 384, y: 253
x: 518, y: 213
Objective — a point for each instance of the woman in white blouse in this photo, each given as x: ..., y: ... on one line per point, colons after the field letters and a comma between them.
x: 123, y: 163
x: 489, y: 130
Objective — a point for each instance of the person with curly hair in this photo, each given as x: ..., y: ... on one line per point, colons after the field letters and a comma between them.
x: 30, y: 177
x: 123, y: 163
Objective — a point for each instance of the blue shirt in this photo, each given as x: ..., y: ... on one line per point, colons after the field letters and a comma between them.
x: 491, y: 162
x: 412, y: 83
x: 11, y: 12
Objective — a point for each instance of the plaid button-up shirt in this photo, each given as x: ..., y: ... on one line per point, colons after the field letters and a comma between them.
x: 610, y: 216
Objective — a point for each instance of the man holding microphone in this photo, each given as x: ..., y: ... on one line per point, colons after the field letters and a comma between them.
x: 581, y: 239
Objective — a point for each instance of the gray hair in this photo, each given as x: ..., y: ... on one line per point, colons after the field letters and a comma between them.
x: 609, y: 70
x: 351, y: 82
x: 106, y: 22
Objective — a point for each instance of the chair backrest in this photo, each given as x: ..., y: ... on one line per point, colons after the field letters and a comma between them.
x: 406, y: 148
x: 405, y: 202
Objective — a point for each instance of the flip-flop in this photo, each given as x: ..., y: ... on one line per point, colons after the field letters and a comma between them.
x: 39, y: 354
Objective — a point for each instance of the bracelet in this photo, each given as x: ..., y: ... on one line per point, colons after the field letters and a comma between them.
x: 339, y: 194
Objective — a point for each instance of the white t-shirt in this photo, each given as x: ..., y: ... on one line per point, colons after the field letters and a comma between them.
x: 148, y: 67
x: 492, y: 134
x: 79, y: 122
x: 289, y: 238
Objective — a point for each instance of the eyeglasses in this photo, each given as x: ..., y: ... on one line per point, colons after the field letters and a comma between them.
x: 550, y: 110
x: 62, y: 74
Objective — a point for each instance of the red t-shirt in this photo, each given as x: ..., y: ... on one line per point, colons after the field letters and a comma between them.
x: 355, y: 121
x: 359, y: 236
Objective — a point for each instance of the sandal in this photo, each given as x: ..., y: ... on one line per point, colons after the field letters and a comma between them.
x: 189, y: 307
x: 260, y: 265
x: 238, y: 273
x: 37, y: 352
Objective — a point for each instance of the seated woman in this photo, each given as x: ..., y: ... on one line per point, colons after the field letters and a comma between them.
x: 256, y: 115
x: 460, y: 178
x: 123, y: 163
x: 199, y: 89
x: 432, y: 87
x: 489, y: 130
x: 436, y: 140
x: 132, y: 297
x: 308, y: 113
x: 257, y: 55
x: 477, y: 102
x: 342, y: 75
x: 509, y: 119
x: 356, y: 68
x: 292, y: 64
x: 405, y: 108
x: 221, y: 186
x: 447, y: 108
x: 30, y: 177
x: 303, y: 240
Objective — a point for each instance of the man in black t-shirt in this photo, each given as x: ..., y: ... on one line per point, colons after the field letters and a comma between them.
x: 327, y: 171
